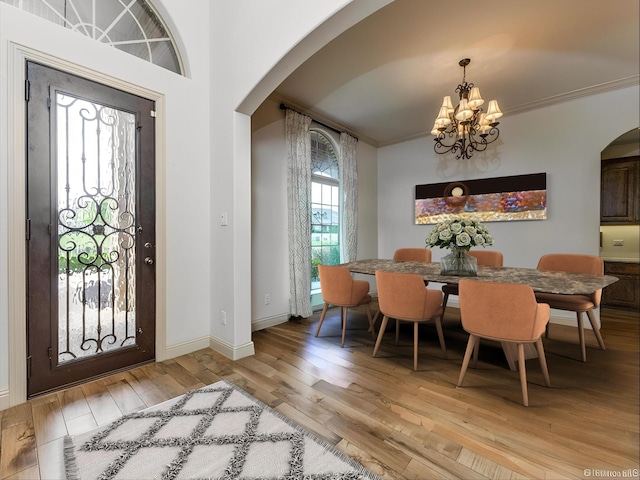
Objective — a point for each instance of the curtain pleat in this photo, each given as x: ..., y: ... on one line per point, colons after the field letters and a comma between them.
x: 349, y: 184
x: 298, y: 139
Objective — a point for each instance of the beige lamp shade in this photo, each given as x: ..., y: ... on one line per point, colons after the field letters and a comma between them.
x: 447, y: 103
x: 435, y: 130
x: 464, y: 112
x: 493, y: 112
x: 443, y: 118
x: 475, y: 100
x: 483, y: 123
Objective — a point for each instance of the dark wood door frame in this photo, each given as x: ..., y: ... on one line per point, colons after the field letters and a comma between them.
x: 41, y: 222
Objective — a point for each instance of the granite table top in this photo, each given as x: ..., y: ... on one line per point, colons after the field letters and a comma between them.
x: 546, y: 281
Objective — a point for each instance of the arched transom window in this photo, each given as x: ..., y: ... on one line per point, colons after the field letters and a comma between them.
x: 325, y: 205
x: 128, y: 25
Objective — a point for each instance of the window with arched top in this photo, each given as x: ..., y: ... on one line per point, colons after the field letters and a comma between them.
x: 132, y: 26
x: 325, y: 205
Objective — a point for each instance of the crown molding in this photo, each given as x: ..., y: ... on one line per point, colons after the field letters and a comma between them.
x: 582, y: 92
x: 545, y: 102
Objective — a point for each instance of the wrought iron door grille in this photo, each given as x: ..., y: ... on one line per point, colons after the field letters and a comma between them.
x: 96, y: 169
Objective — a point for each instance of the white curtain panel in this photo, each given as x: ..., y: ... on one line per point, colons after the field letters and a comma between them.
x: 349, y: 184
x: 299, y: 205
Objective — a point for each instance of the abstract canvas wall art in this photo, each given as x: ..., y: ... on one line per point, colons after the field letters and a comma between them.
x: 518, y: 197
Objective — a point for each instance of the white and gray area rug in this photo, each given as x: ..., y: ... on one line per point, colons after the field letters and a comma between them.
x: 216, y: 432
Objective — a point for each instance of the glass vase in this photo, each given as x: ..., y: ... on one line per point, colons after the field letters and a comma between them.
x: 459, y: 263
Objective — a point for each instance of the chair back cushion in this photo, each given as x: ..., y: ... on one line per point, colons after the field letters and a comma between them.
x: 501, y: 311
x: 488, y: 258
x: 574, y: 263
x: 404, y: 296
x: 338, y: 288
x: 415, y: 254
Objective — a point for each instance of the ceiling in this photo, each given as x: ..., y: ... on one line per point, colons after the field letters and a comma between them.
x: 384, y: 78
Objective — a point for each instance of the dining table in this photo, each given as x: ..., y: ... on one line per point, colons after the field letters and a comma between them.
x: 544, y: 281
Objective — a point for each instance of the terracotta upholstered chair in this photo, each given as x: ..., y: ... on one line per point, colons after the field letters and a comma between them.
x: 505, y: 313
x: 415, y: 254
x: 404, y: 297
x: 340, y: 290
x: 575, y: 263
x: 485, y: 257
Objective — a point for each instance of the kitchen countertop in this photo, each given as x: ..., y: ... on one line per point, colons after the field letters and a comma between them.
x: 621, y: 259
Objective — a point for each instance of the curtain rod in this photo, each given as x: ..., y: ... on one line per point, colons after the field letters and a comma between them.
x: 337, y: 130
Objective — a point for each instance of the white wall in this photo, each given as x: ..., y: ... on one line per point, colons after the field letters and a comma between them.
x: 236, y: 53
x: 184, y: 151
x: 254, y: 46
x: 563, y: 140
x: 269, y: 227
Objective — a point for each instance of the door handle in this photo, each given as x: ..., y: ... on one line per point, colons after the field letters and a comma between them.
x: 148, y: 261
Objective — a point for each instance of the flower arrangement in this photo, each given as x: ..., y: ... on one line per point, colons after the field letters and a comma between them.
x: 459, y: 234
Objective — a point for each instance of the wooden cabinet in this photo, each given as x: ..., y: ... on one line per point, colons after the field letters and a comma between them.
x: 626, y: 291
x: 619, y: 191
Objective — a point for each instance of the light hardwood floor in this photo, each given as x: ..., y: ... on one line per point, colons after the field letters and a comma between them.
x: 397, y: 422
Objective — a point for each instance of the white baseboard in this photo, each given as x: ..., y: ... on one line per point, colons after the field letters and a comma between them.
x: 230, y: 351
x: 269, y: 322
x: 4, y: 400
x: 220, y: 346
x: 184, y: 348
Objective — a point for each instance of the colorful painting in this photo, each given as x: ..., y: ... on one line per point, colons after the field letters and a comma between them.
x: 519, y: 197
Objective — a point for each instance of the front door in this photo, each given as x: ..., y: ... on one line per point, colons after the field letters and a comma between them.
x: 90, y: 229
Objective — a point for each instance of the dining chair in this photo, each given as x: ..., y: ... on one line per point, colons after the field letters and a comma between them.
x: 341, y: 290
x: 414, y: 254
x: 506, y: 313
x: 404, y: 297
x: 485, y: 257
x: 575, y: 263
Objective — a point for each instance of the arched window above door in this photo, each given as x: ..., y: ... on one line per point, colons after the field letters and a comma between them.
x: 132, y: 26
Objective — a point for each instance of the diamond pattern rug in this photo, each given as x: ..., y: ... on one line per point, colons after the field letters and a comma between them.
x: 216, y: 432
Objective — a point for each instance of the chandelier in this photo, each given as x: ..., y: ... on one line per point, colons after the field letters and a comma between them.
x: 466, y: 128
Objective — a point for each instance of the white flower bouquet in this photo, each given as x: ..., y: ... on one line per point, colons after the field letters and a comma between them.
x: 459, y: 234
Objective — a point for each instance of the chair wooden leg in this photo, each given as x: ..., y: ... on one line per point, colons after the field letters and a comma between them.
x: 383, y: 326
x: 596, y: 330
x: 415, y: 345
x: 322, y: 315
x: 441, y: 335
x: 371, y: 327
x: 344, y: 323
x: 445, y: 299
x: 543, y: 362
x: 523, y: 374
x: 397, y: 331
x: 476, y: 349
x: 583, y: 347
x: 375, y: 320
x: 467, y: 356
